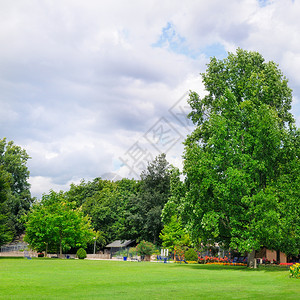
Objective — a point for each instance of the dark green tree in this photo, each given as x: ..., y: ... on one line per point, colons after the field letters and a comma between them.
x: 15, y: 198
x: 242, y: 160
x: 103, y: 209
x: 154, y: 194
x: 110, y: 206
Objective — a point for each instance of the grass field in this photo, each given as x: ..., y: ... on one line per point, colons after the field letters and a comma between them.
x: 87, y: 279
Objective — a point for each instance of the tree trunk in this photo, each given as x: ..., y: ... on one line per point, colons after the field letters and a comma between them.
x: 251, y: 260
x: 46, y: 252
x: 60, y: 243
x: 60, y: 248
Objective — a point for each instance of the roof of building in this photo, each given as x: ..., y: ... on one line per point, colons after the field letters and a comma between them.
x: 119, y: 244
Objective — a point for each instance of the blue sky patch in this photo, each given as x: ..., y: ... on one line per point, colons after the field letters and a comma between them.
x: 263, y: 3
x: 216, y: 50
x: 172, y: 41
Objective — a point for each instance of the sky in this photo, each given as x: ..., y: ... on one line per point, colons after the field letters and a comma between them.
x: 99, y: 88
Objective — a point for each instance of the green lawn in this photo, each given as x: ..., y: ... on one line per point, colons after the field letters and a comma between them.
x: 86, y: 279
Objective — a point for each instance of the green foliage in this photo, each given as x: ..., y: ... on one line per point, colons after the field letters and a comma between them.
x: 242, y: 160
x: 122, y: 252
x: 109, y: 206
x: 126, y: 209
x: 173, y: 234
x: 15, y: 199
x: 132, y: 251
x: 153, y: 195
x: 54, y: 223
x: 177, y: 191
x: 81, y: 253
x: 295, y: 271
x: 6, y: 235
x: 145, y: 248
x: 191, y: 255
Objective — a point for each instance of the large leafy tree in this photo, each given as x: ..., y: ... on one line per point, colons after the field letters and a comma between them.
x: 103, y: 209
x: 56, y: 224
x: 15, y: 198
x: 110, y: 206
x: 242, y: 160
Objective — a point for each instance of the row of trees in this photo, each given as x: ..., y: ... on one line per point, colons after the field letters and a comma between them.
x: 241, y: 168
x: 101, y: 209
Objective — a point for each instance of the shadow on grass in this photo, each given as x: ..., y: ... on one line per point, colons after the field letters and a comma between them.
x: 234, y: 268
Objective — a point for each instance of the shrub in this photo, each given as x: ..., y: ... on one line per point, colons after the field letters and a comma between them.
x: 123, y: 253
x: 191, y: 255
x: 295, y: 271
x: 132, y: 252
x: 81, y: 253
x: 40, y: 254
x: 145, y: 248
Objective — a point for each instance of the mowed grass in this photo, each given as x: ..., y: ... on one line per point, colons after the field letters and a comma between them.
x: 87, y: 279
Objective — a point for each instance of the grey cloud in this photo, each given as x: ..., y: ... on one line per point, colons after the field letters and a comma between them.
x: 80, y: 81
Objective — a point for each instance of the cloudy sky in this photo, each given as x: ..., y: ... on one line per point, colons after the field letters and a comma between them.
x: 97, y: 88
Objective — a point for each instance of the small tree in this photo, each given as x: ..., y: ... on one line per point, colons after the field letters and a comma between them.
x: 145, y: 248
x: 55, y: 223
x: 173, y: 234
x: 81, y: 253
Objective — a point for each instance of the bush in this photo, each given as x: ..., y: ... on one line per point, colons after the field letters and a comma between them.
x: 145, y: 248
x: 191, y: 255
x: 132, y: 252
x: 123, y: 253
x: 81, y: 253
x: 40, y: 254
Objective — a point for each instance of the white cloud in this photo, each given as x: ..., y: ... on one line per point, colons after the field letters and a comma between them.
x: 81, y: 82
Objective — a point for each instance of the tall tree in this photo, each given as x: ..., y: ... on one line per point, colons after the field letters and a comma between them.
x: 14, y: 187
x: 173, y: 233
x: 154, y: 193
x: 241, y: 155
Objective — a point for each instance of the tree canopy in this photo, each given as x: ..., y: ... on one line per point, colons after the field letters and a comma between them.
x: 56, y: 224
x: 242, y: 160
x: 127, y: 209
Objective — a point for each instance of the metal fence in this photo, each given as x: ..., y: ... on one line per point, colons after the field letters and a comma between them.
x: 16, y: 247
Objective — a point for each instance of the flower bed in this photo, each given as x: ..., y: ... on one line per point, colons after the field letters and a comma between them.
x: 226, y: 264
x: 295, y: 271
x: 210, y: 260
x: 286, y: 264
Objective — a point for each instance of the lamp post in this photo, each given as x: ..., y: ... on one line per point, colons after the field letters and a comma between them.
x: 94, y: 245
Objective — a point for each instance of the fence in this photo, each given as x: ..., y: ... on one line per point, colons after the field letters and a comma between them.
x: 16, y: 247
